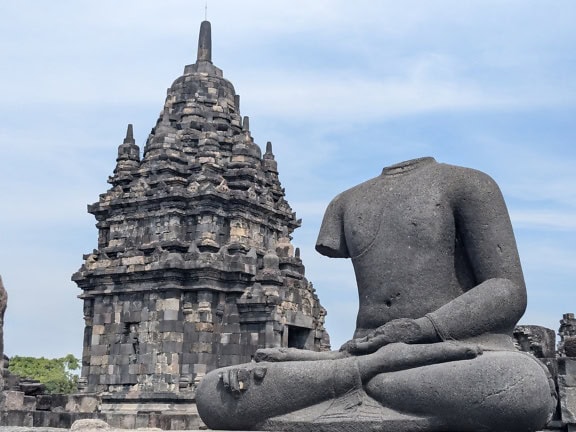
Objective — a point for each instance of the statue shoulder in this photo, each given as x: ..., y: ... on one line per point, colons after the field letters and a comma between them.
x: 343, y: 199
x: 331, y: 240
x: 466, y: 183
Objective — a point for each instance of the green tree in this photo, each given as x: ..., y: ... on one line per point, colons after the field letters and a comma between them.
x: 55, y: 374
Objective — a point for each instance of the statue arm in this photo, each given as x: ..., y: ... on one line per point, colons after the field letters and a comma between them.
x: 331, y: 239
x: 498, y: 298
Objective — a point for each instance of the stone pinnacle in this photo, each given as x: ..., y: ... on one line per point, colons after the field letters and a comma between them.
x: 205, y: 42
x: 129, y: 135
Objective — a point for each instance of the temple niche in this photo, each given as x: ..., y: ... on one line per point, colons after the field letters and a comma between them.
x: 194, y: 268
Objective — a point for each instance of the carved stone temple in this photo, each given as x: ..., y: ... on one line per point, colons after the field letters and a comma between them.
x: 194, y: 268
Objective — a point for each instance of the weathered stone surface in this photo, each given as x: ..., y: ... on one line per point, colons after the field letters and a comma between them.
x: 3, y: 304
x: 441, y: 289
x: 89, y: 425
x: 567, y: 389
x: 82, y: 403
x: 44, y: 402
x: 11, y: 400
x: 194, y: 267
x: 31, y: 387
x: 537, y: 340
x: 567, y: 332
x: 29, y: 403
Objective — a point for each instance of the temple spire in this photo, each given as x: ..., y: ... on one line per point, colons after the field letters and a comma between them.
x: 128, y: 159
x: 205, y: 42
x: 129, y: 135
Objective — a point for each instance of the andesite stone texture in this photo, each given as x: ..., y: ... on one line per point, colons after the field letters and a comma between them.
x: 567, y: 332
x: 3, y: 305
x: 567, y: 370
x: 194, y: 268
x: 537, y: 340
x: 441, y: 290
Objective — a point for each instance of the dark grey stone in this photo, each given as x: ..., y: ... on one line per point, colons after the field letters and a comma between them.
x: 31, y: 387
x: 44, y: 402
x: 171, y: 326
x: 441, y: 290
x: 567, y: 389
x: 567, y: 332
x: 170, y: 346
x: 537, y: 340
x: 3, y: 304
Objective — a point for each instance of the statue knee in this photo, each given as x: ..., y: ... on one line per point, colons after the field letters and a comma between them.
x: 211, y: 402
x: 496, y: 391
x: 229, y: 398
x: 525, y: 399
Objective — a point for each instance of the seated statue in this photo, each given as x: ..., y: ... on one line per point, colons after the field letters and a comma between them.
x: 441, y: 289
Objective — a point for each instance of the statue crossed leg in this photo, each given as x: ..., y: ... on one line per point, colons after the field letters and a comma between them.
x: 434, y: 387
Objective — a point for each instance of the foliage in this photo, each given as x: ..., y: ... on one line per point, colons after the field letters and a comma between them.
x: 55, y: 374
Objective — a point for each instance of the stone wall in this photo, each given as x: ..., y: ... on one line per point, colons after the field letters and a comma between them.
x: 61, y: 411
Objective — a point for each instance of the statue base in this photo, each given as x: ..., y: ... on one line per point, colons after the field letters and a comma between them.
x: 353, y: 412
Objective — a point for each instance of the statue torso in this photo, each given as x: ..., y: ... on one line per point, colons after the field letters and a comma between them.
x: 401, y: 234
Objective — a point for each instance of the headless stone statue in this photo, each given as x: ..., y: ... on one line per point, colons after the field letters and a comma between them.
x: 441, y: 289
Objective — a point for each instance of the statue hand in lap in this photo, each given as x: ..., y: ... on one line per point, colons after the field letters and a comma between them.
x: 295, y: 354
x: 270, y: 354
x: 404, y: 330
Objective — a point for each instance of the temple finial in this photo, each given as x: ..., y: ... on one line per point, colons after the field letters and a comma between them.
x: 205, y: 42
x: 129, y: 134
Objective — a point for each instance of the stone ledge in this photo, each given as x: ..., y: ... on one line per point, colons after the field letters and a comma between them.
x: 47, y: 429
x: 50, y: 429
x: 36, y: 420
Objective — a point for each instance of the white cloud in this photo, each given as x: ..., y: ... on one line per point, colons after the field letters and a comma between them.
x: 544, y: 219
x: 533, y: 171
x: 545, y: 256
x: 105, y: 54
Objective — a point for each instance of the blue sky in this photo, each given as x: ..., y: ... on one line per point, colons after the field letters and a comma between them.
x: 341, y: 89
